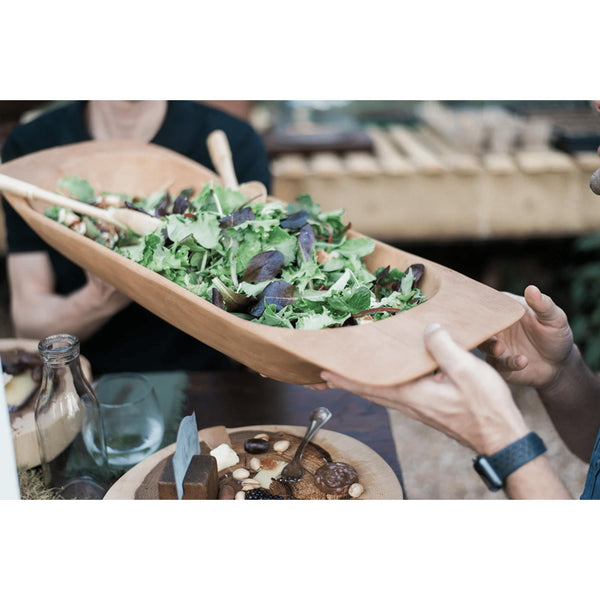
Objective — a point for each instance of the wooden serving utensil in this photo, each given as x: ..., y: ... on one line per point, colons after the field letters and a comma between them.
x: 220, y: 154
x: 124, y: 218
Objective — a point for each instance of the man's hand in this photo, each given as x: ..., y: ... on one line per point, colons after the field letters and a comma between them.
x: 536, y: 349
x: 103, y: 296
x: 467, y: 399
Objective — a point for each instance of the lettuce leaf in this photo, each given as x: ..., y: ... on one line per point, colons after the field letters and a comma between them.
x: 78, y: 188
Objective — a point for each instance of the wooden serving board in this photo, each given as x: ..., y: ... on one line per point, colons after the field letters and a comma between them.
x: 374, y: 473
x: 383, y: 353
x: 22, y: 421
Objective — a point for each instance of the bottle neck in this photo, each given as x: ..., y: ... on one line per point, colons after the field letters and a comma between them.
x: 59, y: 350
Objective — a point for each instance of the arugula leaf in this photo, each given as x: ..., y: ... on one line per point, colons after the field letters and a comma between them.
x: 278, y: 318
x: 134, y: 253
x: 204, y: 201
x: 305, y: 202
x: 281, y: 240
x: 334, y: 264
x: 248, y: 248
x: 306, y: 275
x: 393, y: 275
x: 357, y: 247
x: 319, y: 321
x: 407, y: 283
x: 253, y: 289
x: 78, y: 188
x: 229, y: 200
x: 92, y: 231
x: 359, y: 300
x: 205, y: 229
x: 152, y: 243
x: 53, y: 213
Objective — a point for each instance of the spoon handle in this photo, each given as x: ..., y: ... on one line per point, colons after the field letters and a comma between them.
x: 318, y: 418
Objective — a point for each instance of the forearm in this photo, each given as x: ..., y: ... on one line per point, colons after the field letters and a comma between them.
x: 535, y: 480
x: 573, y: 403
x: 49, y: 313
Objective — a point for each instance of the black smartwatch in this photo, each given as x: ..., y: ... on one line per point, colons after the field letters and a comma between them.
x: 496, y: 468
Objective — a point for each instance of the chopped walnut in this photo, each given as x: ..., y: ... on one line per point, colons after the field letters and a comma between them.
x: 323, y: 257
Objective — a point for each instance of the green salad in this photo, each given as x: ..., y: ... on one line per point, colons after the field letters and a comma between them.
x: 287, y: 265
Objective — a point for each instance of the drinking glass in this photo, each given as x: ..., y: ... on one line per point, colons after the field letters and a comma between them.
x: 133, y: 422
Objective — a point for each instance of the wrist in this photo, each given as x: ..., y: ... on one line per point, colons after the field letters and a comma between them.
x: 502, y: 436
x: 571, y: 363
x: 495, y: 469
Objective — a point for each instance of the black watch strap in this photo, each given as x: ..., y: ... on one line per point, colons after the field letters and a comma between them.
x: 496, y: 468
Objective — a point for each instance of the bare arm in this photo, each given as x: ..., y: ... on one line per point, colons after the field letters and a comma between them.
x: 573, y: 403
x: 539, y: 351
x: 536, y: 480
x: 37, y: 311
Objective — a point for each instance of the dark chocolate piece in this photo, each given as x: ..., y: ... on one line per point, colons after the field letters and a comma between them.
x: 200, y: 482
x: 335, y: 478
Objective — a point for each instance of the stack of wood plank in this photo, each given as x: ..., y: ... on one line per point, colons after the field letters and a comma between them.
x: 431, y: 182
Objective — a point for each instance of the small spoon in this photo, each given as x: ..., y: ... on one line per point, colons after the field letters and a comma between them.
x: 294, y: 470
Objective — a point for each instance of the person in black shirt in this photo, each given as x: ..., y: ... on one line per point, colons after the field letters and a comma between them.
x: 50, y: 294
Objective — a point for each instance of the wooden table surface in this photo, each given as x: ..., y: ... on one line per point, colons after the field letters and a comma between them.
x: 242, y: 398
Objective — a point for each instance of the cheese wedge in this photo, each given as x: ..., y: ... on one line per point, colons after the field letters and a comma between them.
x: 225, y: 455
x: 19, y: 390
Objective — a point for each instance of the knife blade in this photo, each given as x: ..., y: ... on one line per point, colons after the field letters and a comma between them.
x: 188, y: 445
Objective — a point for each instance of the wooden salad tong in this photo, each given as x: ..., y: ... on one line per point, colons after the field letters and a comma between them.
x: 220, y: 154
x: 124, y: 218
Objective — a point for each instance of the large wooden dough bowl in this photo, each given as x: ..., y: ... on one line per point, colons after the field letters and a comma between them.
x: 382, y: 353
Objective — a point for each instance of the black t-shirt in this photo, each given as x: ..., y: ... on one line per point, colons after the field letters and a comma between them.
x: 134, y: 339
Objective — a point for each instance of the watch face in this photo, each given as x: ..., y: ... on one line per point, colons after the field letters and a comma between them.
x: 487, y: 473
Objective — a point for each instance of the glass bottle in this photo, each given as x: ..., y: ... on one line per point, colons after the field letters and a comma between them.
x: 69, y: 424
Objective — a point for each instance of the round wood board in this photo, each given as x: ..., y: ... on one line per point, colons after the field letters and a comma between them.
x: 22, y: 421
x: 374, y: 473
